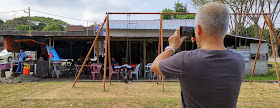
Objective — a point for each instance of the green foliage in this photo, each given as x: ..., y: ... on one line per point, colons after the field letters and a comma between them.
x: 53, y: 27
x: 167, y: 16
x: 23, y: 27
x: 37, y: 24
x: 249, y: 31
x: 179, y: 7
x: 1, y: 22
x: 91, y: 26
x: 39, y: 27
x: 9, y: 25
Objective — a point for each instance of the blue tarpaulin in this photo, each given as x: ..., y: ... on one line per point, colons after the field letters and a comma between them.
x: 56, y: 57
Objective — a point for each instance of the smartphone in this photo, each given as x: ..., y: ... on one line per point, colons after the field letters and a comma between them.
x: 186, y: 31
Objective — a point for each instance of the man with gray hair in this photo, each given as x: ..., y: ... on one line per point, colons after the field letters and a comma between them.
x: 210, y: 76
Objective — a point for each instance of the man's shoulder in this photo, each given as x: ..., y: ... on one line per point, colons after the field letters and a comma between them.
x: 236, y: 54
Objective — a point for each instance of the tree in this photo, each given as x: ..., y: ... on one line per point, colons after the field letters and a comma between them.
x: 247, y: 6
x: 52, y: 27
x: 39, y: 27
x: 37, y: 23
x: 179, y: 7
x: 167, y: 16
x: 9, y: 25
x: 1, y: 23
x: 23, y: 27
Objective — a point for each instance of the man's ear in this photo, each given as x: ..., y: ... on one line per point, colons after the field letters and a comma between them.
x: 199, y: 30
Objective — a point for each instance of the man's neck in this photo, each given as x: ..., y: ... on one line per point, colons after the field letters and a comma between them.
x: 213, y: 44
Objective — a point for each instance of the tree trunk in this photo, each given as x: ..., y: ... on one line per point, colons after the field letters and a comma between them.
x: 256, y: 27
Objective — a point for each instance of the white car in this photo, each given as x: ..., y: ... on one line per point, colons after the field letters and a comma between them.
x: 6, y: 56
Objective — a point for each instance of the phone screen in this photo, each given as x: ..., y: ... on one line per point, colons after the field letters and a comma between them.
x: 186, y: 31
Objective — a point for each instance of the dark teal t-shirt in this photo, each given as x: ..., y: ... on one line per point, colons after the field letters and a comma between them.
x: 208, y: 78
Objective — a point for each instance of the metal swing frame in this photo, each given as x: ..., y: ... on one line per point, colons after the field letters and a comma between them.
x: 160, y: 45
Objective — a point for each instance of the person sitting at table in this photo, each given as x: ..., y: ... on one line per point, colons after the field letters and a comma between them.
x: 81, y: 59
x: 113, y: 61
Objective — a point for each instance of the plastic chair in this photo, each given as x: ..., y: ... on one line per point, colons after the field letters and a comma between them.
x: 56, y: 69
x: 115, y: 72
x: 148, y: 70
x: 77, y: 67
x: 155, y: 76
x: 95, y: 69
x: 135, y: 71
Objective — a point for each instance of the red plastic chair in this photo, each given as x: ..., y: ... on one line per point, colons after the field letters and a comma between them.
x: 95, y: 69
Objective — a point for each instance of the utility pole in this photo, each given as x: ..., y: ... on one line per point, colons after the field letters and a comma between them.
x: 87, y: 28
x: 29, y: 21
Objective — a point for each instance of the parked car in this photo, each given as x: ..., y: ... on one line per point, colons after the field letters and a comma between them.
x: 6, y: 56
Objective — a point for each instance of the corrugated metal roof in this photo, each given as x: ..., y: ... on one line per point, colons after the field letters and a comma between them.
x: 150, y: 24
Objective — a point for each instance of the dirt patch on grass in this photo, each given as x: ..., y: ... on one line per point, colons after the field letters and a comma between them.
x: 89, y: 90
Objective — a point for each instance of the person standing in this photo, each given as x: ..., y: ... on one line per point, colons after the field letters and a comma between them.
x: 21, y: 56
x: 211, y: 76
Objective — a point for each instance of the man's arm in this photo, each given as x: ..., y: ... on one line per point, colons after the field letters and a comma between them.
x: 166, y: 54
x: 175, y: 42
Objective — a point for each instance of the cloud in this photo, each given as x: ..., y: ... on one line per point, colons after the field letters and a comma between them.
x: 93, y: 10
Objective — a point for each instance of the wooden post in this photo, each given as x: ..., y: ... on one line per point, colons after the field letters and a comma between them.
x: 105, y: 58
x: 92, y: 46
x: 71, y: 49
x: 50, y: 65
x: 97, y: 51
x: 272, y: 45
x: 253, y: 71
x: 109, y: 48
x: 161, y: 39
x: 144, y: 55
x: 271, y: 30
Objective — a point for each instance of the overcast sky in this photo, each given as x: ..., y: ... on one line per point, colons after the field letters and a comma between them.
x: 90, y: 10
x: 93, y: 10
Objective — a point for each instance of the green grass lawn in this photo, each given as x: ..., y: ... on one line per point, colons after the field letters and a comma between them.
x: 137, y: 94
x: 271, y: 75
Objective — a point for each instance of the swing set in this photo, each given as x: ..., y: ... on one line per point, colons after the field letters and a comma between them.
x: 107, y: 58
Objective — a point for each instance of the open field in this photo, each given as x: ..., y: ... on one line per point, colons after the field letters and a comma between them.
x: 137, y: 94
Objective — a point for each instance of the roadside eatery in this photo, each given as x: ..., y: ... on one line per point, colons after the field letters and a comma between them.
x: 134, y: 45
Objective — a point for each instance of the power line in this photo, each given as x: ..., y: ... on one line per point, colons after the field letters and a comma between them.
x: 12, y: 11
x: 25, y: 10
x: 63, y: 16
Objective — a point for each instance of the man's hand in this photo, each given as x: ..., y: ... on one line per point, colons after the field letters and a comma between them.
x: 175, y: 41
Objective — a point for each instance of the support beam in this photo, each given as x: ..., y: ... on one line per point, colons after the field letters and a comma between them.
x: 144, y: 55
x: 89, y: 52
x: 161, y: 36
x: 239, y: 43
x: 159, y: 41
x: 109, y: 48
x: 50, y: 66
x: 71, y: 49
x: 256, y: 58
x: 97, y: 51
x: 106, y: 53
x: 272, y: 30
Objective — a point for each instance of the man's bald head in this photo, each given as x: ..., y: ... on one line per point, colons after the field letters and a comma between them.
x: 213, y: 19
